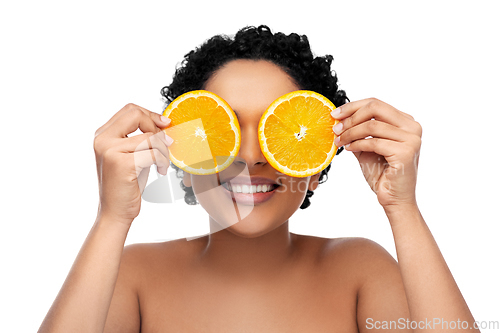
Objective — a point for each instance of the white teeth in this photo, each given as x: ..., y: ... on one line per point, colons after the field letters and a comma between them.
x: 247, y: 188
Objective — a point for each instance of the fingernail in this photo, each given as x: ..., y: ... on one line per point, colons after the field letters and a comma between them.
x: 335, y: 113
x: 165, y: 120
x: 336, y: 141
x: 338, y: 128
x: 169, y: 140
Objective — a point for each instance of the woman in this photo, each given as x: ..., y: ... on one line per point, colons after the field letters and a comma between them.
x: 256, y: 276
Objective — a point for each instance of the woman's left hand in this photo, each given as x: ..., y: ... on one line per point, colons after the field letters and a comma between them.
x: 386, y: 143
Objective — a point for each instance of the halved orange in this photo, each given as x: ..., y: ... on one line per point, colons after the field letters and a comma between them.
x: 296, y: 135
x: 205, y: 130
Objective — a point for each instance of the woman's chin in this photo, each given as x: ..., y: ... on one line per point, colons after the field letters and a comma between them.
x: 248, y: 227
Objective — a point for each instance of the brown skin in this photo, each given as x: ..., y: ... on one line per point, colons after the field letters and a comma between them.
x: 256, y: 276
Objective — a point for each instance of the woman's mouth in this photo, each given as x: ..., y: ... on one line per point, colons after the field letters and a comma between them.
x: 250, y: 194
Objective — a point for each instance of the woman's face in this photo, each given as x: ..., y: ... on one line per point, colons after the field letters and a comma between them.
x: 249, y: 87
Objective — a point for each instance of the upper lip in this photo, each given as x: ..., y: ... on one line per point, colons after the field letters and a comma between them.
x: 252, y: 180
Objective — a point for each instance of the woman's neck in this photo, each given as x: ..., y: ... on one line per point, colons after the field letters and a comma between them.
x: 235, y: 256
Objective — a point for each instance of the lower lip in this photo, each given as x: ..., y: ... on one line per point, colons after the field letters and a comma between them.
x: 249, y: 198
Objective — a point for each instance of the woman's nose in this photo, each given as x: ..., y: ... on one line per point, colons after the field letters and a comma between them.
x: 250, y: 149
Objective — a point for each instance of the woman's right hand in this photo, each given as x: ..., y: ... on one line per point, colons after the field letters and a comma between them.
x: 123, y: 162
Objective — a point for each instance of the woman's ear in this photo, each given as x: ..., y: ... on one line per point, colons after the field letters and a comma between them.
x: 314, y: 182
x: 186, y: 179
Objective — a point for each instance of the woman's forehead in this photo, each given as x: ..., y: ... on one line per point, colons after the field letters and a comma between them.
x: 250, y: 84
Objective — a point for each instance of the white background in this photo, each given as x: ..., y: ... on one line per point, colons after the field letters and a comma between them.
x: 67, y: 67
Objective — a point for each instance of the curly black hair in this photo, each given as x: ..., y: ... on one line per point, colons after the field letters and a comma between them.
x: 291, y: 53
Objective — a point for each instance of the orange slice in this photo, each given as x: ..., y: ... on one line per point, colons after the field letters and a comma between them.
x: 205, y: 130
x: 296, y: 135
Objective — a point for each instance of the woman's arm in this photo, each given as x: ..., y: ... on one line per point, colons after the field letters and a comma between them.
x: 386, y: 143
x: 431, y: 291
x: 83, y: 301
x: 123, y: 163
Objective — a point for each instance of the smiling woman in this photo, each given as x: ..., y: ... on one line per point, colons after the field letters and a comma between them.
x: 250, y: 273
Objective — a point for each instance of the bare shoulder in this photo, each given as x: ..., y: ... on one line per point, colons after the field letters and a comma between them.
x: 149, y: 256
x: 358, y: 258
x: 153, y: 249
x: 360, y: 255
x: 374, y: 272
x: 357, y: 248
x: 144, y: 267
x: 353, y: 249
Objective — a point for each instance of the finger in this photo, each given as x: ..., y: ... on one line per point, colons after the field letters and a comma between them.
x: 117, y: 115
x: 145, y: 158
x: 379, y: 146
x: 349, y: 108
x: 373, y: 128
x: 359, y: 111
x: 146, y: 141
x: 361, y: 103
x: 409, y: 116
x: 129, y: 122
x: 158, y: 119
